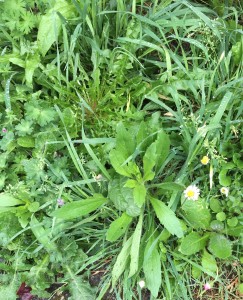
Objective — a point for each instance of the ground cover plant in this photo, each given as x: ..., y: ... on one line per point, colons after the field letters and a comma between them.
x: 121, y: 149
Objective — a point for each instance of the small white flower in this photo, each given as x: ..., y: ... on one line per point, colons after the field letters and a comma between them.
x: 192, y: 192
x: 224, y: 191
x: 98, y: 177
x: 141, y: 283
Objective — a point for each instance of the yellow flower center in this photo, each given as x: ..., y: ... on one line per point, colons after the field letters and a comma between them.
x: 205, y: 160
x: 190, y: 193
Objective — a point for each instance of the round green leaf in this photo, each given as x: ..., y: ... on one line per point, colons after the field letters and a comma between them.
x: 215, y: 205
x: 232, y: 222
x: 193, y: 243
x: 221, y: 216
x: 217, y: 225
x: 224, y: 180
x: 196, y: 214
x: 219, y: 246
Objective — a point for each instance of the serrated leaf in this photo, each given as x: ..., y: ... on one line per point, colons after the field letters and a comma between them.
x: 209, y: 262
x: 196, y: 214
x: 193, y: 243
x: 152, y: 271
x: 34, y: 169
x: 80, y: 289
x: 42, y: 235
x: 46, y: 115
x: 139, y: 194
x: 135, y: 247
x: 121, y: 261
x: 79, y: 208
x: 31, y: 64
x: 9, y: 200
x: 219, y: 246
x: 38, y: 112
x: 167, y: 217
x: 118, y: 227
x: 24, y: 128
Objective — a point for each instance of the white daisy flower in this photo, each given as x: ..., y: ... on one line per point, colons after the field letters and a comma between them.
x: 192, y: 192
x: 224, y: 191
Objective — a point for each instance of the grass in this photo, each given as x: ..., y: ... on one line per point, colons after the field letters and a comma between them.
x: 122, y: 100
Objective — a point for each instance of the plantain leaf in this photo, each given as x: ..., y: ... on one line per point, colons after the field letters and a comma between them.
x: 50, y: 24
x: 169, y: 186
x: 152, y: 270
x: 162, y: 149
x: 118, y: 227
x: 209, y: 262
x: 125, y: 142
x: 121, y: 261
x: 79, y: 208
x: 117, y: 160
x: 8, y: 200
x: 42, y: 235
x: 149, y: 160
x: 135, y: 247
x: 139, y: 194
x: 167, y: 217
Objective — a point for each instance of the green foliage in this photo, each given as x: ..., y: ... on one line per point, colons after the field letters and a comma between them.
x: 118, y: 227
x: 167, y: 217
x: 192, y: 243
x: 197, y: 214
x: 209, y: 262
x: 106, y: 110
x: 122, y: 197
x: 50, y: 24
x: 79, y: 208
x: 220, y: 246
